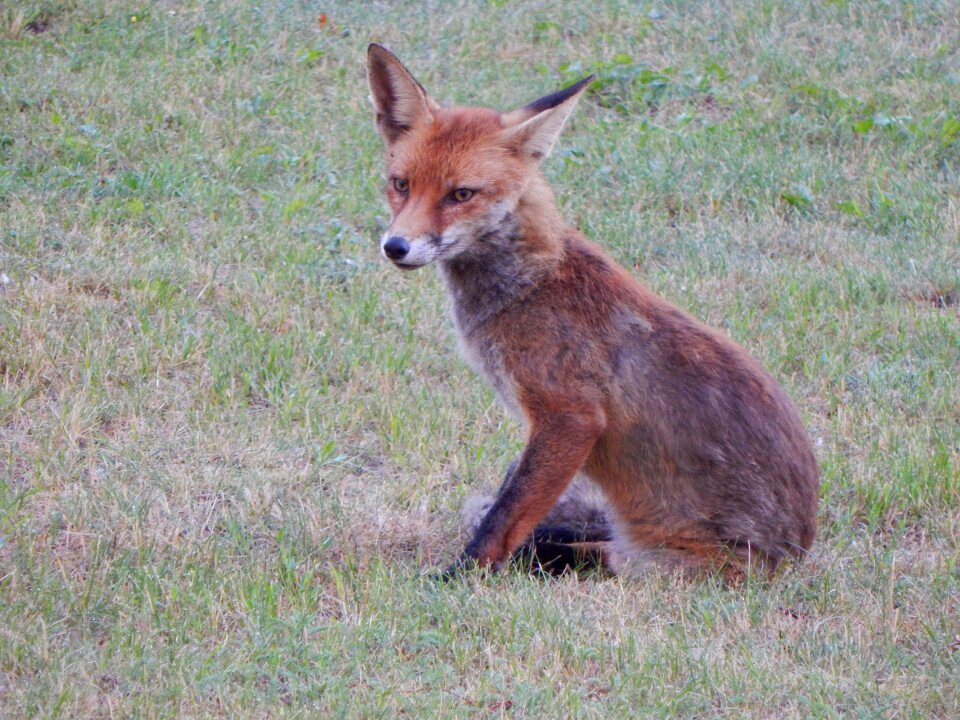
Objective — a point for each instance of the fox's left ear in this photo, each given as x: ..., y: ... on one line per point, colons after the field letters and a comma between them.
x: 533, y: 129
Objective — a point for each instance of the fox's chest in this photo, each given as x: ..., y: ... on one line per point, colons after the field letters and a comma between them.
x: 480, y: 288
x: 484, y: 357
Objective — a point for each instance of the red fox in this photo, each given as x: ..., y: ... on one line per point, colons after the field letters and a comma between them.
x: 702, y: 460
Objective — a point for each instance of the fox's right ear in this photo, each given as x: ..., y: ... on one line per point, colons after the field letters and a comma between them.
x: 400, y: 101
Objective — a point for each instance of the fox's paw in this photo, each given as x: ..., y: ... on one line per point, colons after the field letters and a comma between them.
x: 464, y: 565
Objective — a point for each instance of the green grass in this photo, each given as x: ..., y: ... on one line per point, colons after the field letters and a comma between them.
x: 232, y: 441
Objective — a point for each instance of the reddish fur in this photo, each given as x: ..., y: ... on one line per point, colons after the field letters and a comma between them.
x: 700, y: 454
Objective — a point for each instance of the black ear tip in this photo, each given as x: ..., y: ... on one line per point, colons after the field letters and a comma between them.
x: 553, y: 99
x: 586, y: 81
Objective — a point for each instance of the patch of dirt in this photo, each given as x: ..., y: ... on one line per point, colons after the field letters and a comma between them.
x: 40, y: 23
x: 93, y: 287
x: 939, y: 297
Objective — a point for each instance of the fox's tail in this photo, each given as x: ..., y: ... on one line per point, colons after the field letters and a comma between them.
x: 576, y: 534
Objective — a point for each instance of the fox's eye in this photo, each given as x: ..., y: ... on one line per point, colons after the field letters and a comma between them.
x: 401, y: 185
x: 462, y: 194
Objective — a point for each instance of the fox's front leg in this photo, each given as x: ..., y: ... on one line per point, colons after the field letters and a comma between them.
x: 556, y: 449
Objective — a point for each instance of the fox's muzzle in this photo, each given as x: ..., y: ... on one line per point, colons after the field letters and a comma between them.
x: 408, y: 252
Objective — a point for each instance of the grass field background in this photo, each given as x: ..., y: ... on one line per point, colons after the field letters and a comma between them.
x: 233, y: 441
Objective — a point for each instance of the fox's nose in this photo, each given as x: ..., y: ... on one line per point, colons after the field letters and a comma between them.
x: 396, y: 248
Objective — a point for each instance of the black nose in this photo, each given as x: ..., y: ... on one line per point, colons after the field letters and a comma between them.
x: 396, y: 248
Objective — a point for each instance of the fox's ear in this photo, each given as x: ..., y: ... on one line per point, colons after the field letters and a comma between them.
x: 533, y: 129
x: 400, y: 101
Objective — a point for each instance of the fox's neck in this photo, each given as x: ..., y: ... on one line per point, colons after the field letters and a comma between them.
x: 507, y: 261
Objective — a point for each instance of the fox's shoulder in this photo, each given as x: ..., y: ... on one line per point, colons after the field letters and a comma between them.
x: 590, y: 279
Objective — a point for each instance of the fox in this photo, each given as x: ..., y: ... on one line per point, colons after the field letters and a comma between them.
x: 667, y: 444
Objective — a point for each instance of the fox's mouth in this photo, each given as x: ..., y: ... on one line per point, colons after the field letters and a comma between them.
x: 406, y: 266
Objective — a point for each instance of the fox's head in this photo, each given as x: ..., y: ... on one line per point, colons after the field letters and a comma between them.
x: 454, y: 175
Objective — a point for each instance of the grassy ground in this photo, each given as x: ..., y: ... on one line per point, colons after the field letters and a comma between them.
x: 231, y: 439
